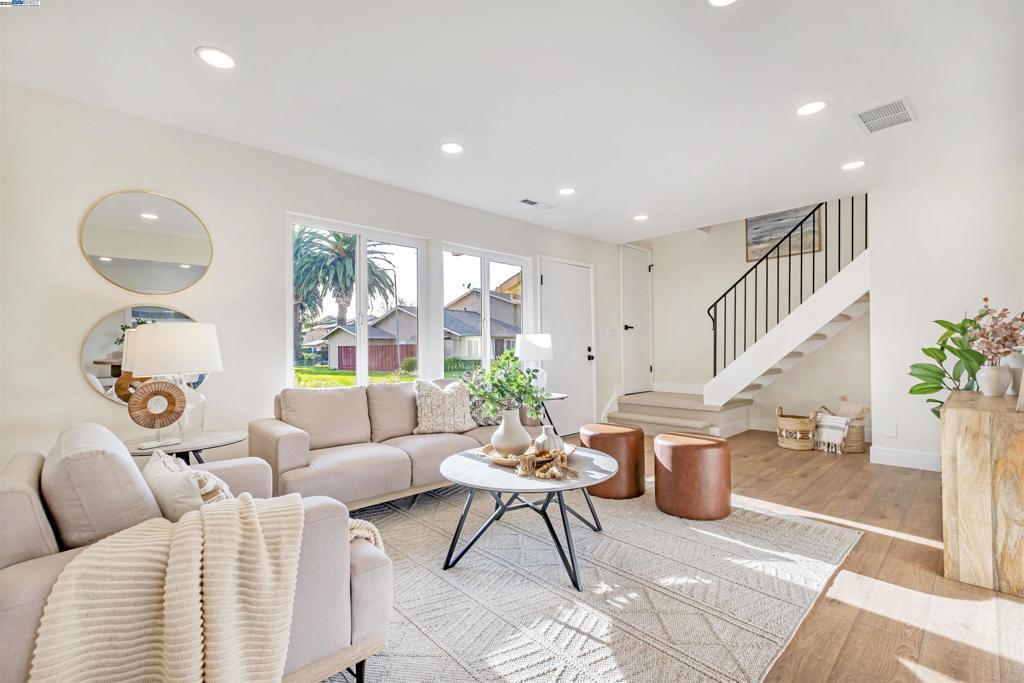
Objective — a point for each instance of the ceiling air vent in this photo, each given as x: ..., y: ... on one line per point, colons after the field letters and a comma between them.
x: 886, y: 116
x: 534, y: 202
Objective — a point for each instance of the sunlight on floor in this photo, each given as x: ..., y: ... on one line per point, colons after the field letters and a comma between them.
x: 808, y: 514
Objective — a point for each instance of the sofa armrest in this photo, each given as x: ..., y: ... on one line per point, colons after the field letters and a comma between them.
x: 283, y: 446
x: 24, y: 588
x: 322, y: 611
x: 243, y: 475
x: 25, y: 533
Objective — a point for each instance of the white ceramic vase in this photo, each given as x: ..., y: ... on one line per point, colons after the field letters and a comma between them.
x: 510, y: 438
x: 548, y: 441
x: 994, y: 380
x: 1015, y: 362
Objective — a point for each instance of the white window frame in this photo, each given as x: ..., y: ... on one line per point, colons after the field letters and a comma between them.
x: 529, y: 302
x: 364, y: 234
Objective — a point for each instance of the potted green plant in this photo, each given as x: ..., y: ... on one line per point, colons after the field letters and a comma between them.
x: 504, y: 388
x: 954, y: 344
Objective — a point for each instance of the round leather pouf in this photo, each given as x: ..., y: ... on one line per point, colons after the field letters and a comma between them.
x: 693, y: 475
x: 626, y: 445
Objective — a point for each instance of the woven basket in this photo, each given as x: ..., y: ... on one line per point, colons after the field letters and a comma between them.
x: 795, y: 432
x: 854, y: 441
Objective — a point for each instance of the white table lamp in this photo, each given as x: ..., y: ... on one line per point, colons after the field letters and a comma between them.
x: 177, y: 349
x: 128, y: 351
x: 535, y: 348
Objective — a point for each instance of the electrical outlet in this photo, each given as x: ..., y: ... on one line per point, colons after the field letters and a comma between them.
x: 891, y: 430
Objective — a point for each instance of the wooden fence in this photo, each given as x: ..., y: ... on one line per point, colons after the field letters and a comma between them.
x: 382, y: 357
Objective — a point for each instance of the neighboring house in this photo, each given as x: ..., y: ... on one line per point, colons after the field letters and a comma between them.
x: 393, y: 335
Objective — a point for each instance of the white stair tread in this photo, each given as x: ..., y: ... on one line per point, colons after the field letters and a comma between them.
x: 817, y: 337
x: 841, y: 318
x: 795, y: 354
x: 669, y: 399
x: 772, y: 371
x: 659, y: 420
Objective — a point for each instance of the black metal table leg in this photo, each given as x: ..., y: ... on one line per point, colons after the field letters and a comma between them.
x: 575, y: 573
x: 548, y: 416
x: 198, y: 455
x: 458, y: 529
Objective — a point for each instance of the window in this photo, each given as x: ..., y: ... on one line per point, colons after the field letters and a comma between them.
x: 354, y: 306
x: 481, y: 323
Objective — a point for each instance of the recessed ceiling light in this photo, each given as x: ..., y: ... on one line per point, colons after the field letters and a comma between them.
x: 566, y: 191
x: 216, y: 57
x: 852, y: 165
x: 184, y: 265
x: 811, y: 108
x: 640, y: 217
x: 720, y: 3
x: 451, y: 148
x: 149, y: 216
x: 106, y: 258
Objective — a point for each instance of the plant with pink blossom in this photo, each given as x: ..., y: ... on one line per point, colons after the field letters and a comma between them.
x: 996, y: 333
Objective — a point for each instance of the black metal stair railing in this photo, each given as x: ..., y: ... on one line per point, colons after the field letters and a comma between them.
x: 838, y: 229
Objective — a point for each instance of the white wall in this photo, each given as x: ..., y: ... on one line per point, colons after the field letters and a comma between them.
x: 59, y: 156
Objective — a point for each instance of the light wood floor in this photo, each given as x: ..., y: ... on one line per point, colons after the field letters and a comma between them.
x: 888, y: 614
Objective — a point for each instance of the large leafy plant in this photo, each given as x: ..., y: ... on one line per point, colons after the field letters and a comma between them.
x: 954, y: 345
x: 506, y: 385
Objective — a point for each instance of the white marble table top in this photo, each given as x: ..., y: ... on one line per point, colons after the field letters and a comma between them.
x: 473, y: 469
x: 195, y: 442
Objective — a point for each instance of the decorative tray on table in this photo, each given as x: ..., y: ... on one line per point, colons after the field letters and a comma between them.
x: 547, y: 465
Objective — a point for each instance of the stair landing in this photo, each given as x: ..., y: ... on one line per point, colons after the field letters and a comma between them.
x: 657, y: 412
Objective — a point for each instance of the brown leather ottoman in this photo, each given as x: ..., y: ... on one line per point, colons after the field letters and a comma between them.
x: 626, y: 445
x: 692, y: 475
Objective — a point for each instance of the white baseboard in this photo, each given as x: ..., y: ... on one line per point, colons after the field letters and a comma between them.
x: 679, y: 387
x: 918, y: 460
x: 613, y: 402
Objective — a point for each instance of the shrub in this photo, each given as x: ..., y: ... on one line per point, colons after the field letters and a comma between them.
x: 408, y: 364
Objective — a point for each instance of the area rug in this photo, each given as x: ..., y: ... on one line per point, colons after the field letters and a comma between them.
x: 664, y: 599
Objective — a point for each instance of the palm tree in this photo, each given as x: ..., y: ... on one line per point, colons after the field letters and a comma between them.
x: 329, y: 259
x: 307, y: 295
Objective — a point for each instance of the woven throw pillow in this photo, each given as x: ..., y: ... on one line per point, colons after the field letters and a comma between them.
x: 476, y: 409
x: 178, y: 488
x: 442, y: 410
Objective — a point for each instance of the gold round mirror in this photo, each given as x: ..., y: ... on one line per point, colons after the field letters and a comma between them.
x: 146, y: 242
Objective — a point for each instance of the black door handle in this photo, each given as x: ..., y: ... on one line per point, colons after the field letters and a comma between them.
x: 627, y: 327
x: 590, y: 356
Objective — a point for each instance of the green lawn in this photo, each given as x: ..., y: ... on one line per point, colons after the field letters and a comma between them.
x: 321, y: 376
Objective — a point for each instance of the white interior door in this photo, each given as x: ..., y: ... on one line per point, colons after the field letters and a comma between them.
x: 567, y: 314
x: 637, y: 364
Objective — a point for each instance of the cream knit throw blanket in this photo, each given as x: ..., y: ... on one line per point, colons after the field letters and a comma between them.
x: 208, y: 598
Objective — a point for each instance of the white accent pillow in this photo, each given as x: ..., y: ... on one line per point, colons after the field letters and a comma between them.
x: 443, y: 410
x: 178, y: 488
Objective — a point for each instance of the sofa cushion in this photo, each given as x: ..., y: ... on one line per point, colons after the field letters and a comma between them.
x: 427, y: 451
x: 483, y: 434
x: 25, y: 531
x: 392, y: 409
x: 442, y: 410
x: 351, y: 473
x: 331, y: 417
x: 92, y: 486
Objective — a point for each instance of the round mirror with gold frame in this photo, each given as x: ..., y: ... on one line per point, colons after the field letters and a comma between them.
x: 107, y: 350
x: 146, y: 242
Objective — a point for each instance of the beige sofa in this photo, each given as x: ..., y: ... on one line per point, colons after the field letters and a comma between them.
x: 356, y: 444
x: 343, y: 594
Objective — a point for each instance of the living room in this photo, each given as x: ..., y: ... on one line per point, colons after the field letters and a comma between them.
x: 353, y: 176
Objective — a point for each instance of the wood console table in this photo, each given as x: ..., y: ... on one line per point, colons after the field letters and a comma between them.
x: 983, y: 491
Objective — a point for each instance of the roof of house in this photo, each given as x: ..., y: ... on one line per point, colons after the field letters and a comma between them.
x: 350, y: 328
x: 467, y: 324
x: 476, y: 290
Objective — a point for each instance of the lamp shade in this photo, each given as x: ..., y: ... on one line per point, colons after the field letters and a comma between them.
x: 128, y: 351
x: 171, y: 348
x: 533, y: 347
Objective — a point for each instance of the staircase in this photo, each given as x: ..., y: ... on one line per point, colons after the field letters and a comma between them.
x: 783, y: 308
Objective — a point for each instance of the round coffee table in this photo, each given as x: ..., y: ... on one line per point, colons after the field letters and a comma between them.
x: 475, y: 471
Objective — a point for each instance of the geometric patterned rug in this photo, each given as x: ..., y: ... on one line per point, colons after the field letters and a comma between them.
x: 663, y: 599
